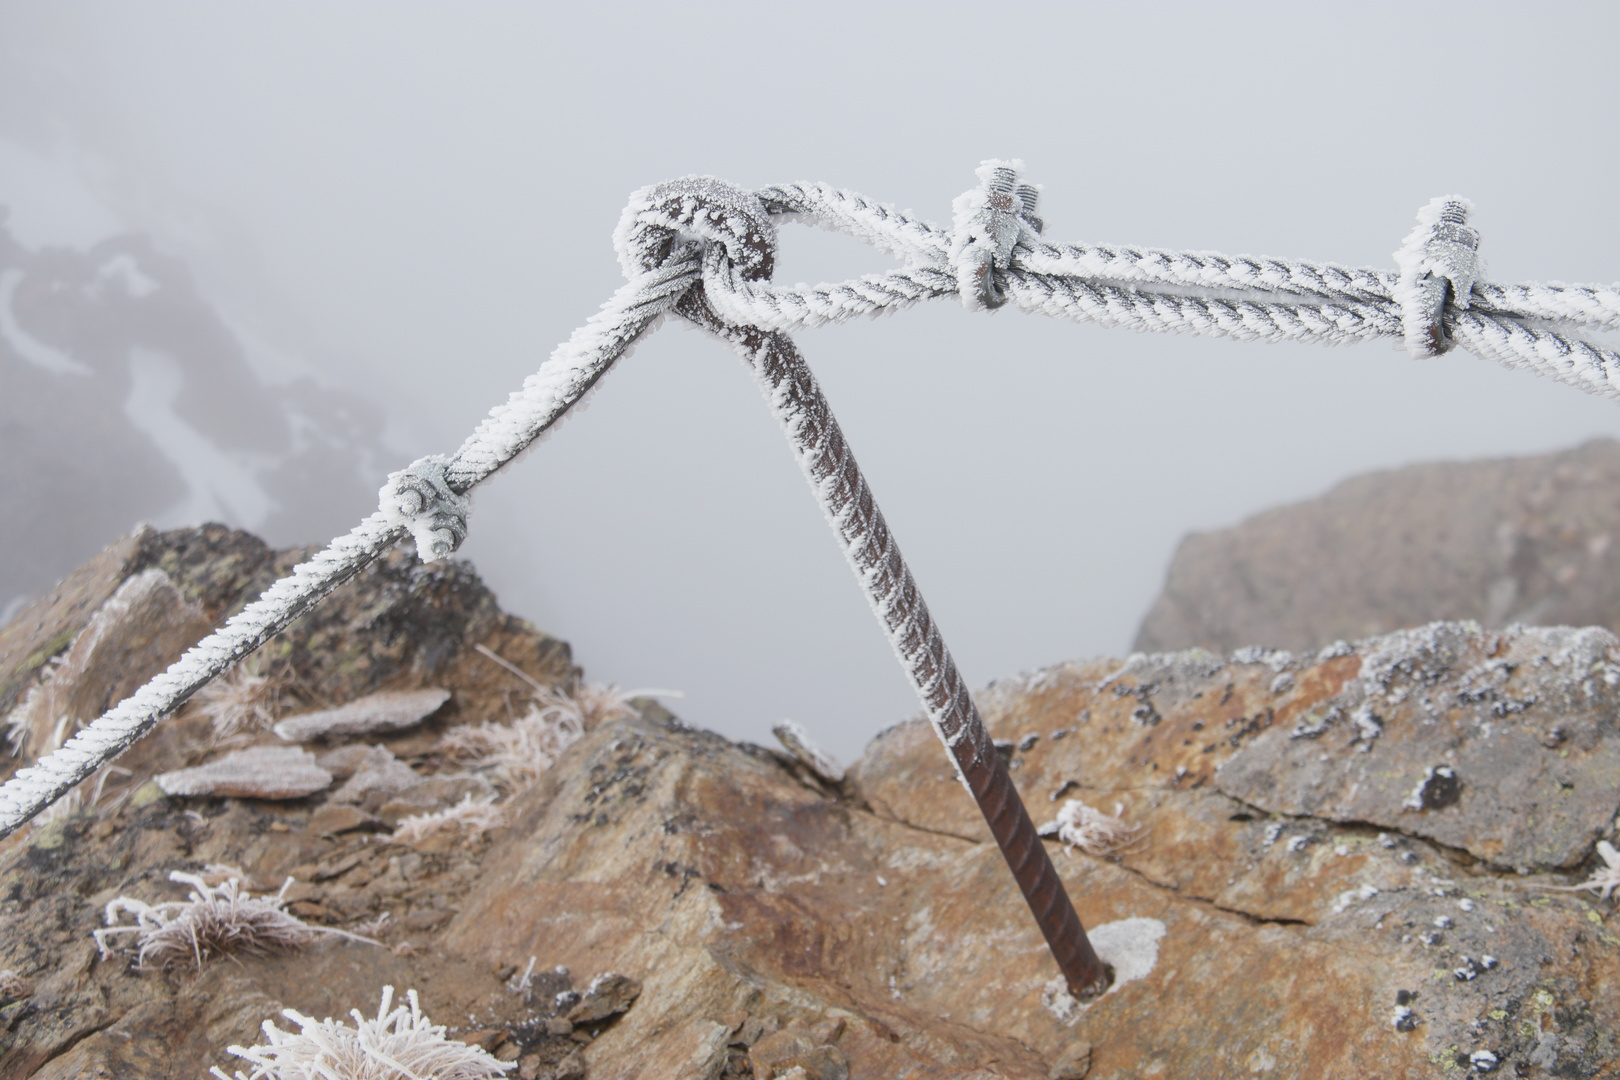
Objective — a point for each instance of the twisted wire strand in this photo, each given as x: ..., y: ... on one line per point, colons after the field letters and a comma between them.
x: 1215, y: 315
x: 1532, y: 326
x: 1563, y: 357
x: 893, y: 232
x: 757, y: 304
x: 34, y: 788
x: 571, y: 372
x: 913, y: 239
x: 1594, y: 307
x: 1204, y: 269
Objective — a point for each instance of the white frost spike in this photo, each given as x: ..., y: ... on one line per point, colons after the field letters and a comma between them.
x: 419, y: 499
x: 244, y: 699
x: 400, y: 1044
x: 515, y: 755
x: 1367, y: 723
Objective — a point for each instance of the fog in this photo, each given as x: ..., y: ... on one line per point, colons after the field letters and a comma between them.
x: 416, y: 201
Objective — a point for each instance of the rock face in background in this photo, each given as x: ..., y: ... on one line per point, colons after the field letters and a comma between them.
x: 129, y: 397
x: 1300, y: 874
x: 1527, y: 540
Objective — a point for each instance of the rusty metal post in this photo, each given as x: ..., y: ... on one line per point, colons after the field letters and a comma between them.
x: 853, y: 512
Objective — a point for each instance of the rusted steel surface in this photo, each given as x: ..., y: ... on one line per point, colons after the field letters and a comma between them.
x: 830, y: 466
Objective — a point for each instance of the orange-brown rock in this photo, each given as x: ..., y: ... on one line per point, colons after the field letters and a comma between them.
x: 1303, y: 898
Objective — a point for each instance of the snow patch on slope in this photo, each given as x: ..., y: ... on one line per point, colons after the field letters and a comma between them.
x: 221, y: 485
x: 24, y: 344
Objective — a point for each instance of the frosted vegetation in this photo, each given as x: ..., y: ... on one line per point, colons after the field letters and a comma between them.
x: 214, y: 920
x: 243, y: 700
x: 1089, y: 829
x: 398, y: 1044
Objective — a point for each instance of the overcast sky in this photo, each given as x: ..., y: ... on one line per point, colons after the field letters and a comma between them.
x: 421, y: 197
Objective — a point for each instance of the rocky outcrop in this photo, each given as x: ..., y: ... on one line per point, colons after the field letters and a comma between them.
x: 1514, y: 540
x: 1342, y: 867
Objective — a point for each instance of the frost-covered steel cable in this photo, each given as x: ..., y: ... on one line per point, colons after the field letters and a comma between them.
x: 992, y: 255
x: 1435, y: 288
x: 415, y: 501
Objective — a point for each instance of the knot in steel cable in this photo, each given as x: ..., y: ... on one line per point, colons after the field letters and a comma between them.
x: 987, y: 224
x: 1439, y: 255
x: 419, y: 498
x: 696, y: 217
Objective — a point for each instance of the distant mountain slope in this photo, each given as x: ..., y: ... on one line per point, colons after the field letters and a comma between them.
x: 1513, y: 540
x: 128, y: 396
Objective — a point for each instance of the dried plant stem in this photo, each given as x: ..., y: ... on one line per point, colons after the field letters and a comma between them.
x: 539, y: 687
x: 830, y: 466
x: 1603, y: 882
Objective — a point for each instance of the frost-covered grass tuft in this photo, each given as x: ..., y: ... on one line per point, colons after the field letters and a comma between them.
x: 245, y: 698
x: 515, y: 754
x: 599, y: 704
x: 214, y: 920
x: 1090, y: 830
x: 471, y: 815
x: 402, y: 1044
x: 1604, y: 882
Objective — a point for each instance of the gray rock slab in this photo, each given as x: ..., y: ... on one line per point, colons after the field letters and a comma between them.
x: 390, y: 710
x: 1502, y: 744
x: 259, y: 772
